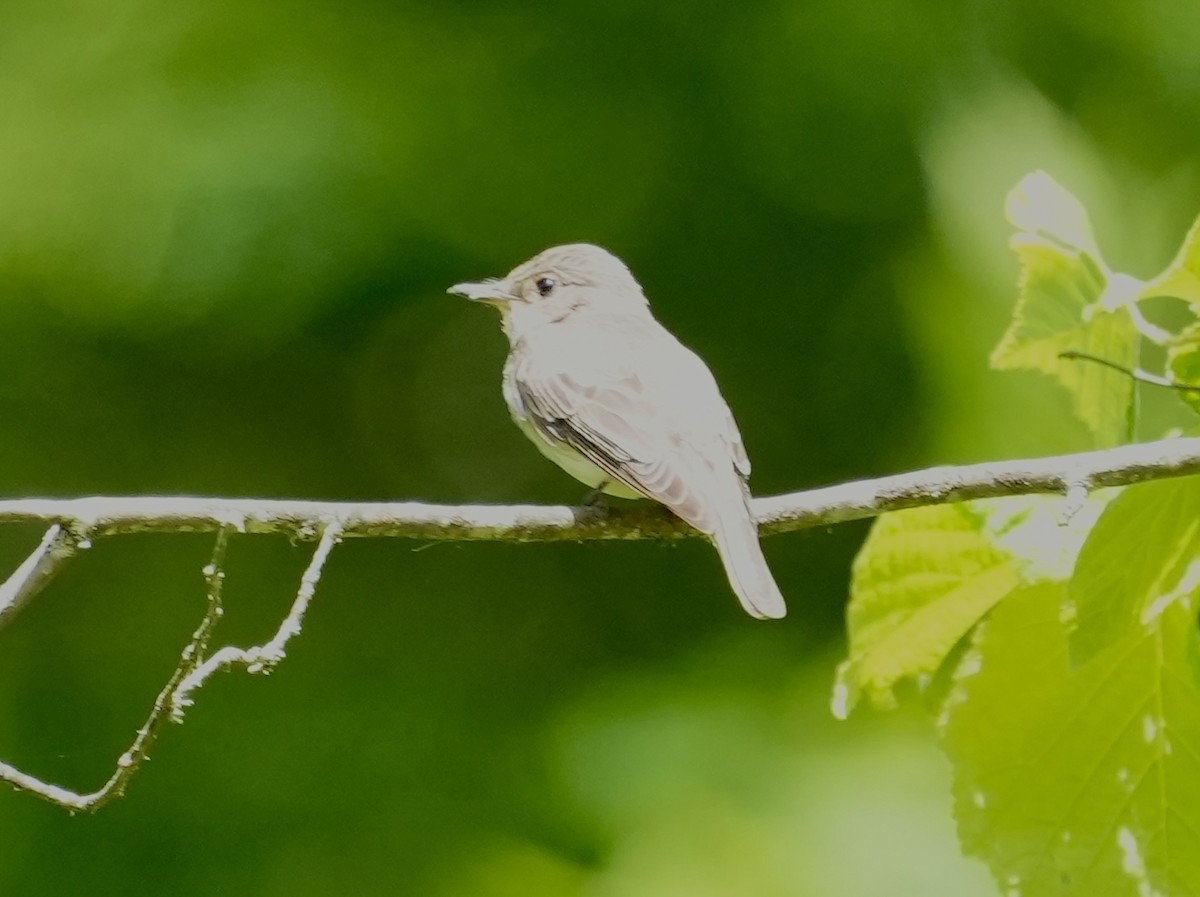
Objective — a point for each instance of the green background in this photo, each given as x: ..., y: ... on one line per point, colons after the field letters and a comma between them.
x: 225, y: 234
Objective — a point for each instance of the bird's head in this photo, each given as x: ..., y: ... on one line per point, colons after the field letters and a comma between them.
x: 561, y: 281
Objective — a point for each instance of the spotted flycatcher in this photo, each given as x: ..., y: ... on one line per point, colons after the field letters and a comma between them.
x: 608, y: 394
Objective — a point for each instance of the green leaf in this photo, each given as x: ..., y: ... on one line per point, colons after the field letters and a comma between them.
x: 1182, y: 277
x: 1069, y: 300
x: 922, y: 579
x: 1142, y: 556
x: 1183, y: 361
x: 1043, y: 208
x: 1085, y: 781
x: 1033, y: 530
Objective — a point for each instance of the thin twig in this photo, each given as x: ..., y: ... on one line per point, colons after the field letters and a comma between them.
x: 56, y: 548
x: 192, y: 671
x: 1139, y: 374
x: 261, y: 658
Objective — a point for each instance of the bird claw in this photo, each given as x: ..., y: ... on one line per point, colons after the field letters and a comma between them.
x: 596, y: 500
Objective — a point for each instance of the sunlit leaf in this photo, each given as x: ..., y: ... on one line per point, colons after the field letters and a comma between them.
x: 1068, y: 300
x: 1043, y: 533
x: 1142, y: 557
x: 1078, y: 782
x: 1041, y: 207
x: 1183, y: 361
x: 1182, y: 277
x: 923, y: 578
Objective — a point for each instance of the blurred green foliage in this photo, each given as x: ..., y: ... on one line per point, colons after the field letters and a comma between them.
x: 226, y: 233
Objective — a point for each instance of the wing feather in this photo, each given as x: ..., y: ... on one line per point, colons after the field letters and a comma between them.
x: 664, y: 432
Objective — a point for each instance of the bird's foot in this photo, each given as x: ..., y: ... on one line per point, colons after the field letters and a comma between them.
x: 596, y: 500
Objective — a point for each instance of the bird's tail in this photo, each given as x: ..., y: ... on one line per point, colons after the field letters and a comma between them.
x: 736, y: 539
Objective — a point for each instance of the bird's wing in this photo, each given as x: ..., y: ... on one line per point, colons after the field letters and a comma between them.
x: 630, y: 426
x: 733, y: 438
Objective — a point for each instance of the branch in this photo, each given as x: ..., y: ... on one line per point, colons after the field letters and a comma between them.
x: 128, y: 763
x: 56, y: 548
x: 73, y: 523
x: 93, y: 518
x: 192, y: 671
x: 262, y: 658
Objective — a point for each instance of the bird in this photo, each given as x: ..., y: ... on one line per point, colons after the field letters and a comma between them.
x: 608, y: 394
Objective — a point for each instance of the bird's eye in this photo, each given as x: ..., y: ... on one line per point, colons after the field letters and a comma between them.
x: 545, y: 285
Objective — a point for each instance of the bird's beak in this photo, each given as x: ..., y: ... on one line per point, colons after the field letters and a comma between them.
x: 494, y: 291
